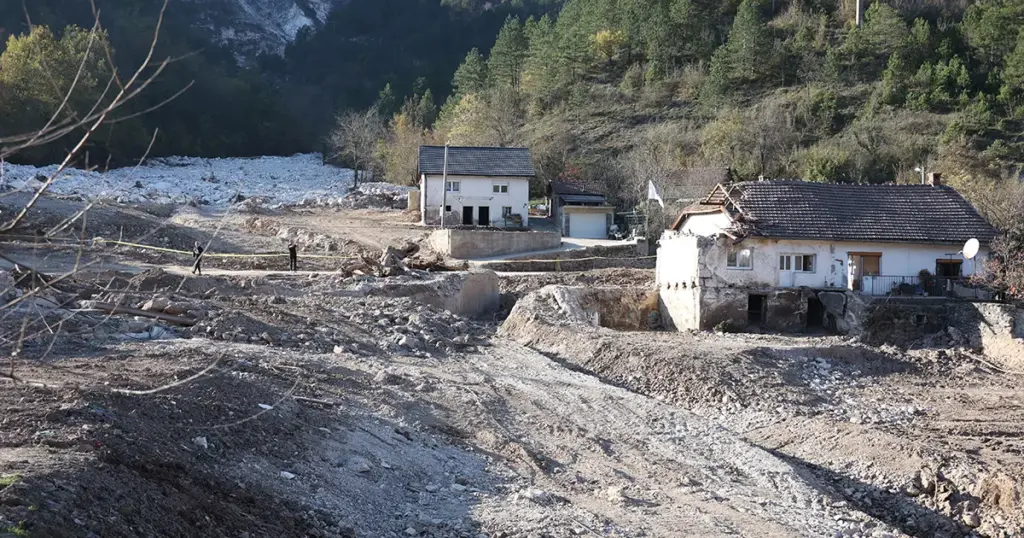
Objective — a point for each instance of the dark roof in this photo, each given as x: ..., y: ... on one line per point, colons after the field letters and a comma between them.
x: 470, y: 161
x: 843, y: 212
x: 583, y: 198
x: 688, y: 184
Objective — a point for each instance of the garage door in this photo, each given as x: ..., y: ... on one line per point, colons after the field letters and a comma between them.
x: 588, y: 225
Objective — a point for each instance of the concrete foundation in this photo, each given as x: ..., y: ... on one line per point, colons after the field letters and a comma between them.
x: 474, y: 293
x: 472, y: 244
x: 786, y: 310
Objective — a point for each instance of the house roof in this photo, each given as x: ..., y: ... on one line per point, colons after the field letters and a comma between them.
x: 477, y: 161
x: 844, y: 212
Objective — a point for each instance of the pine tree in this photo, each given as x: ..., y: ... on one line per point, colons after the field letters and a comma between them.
x: 427, y: 109
x: 508, y: 55
x: 750, y: 44
x: 386, y: 101
x: 748, y: 55
x: 1012, y: 92
x: 471, y: 76
x: 542, y: 59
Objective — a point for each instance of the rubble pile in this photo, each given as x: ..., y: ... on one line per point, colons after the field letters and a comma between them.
x: 377, y: 196
x: 294, y: 180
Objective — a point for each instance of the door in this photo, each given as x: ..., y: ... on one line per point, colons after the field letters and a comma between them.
x: 862, y: 264
x: 467, y: 215
x: 485, y: 216
x: 786, y: 268
x: 588, y: 225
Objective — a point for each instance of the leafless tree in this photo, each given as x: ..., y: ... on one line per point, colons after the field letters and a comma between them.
x: 356, y: 137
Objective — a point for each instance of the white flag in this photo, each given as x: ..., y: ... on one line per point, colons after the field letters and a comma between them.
x: 652, y: 194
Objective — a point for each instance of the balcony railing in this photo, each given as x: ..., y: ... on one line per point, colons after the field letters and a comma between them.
x: 929, y: 286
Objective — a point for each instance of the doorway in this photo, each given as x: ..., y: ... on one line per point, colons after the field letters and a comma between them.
x: 756, y: 308
x: 485, y: 216
x: 948, y: 268
x: 467, y: 215
x: 862, y: 264
x: 815, y: 314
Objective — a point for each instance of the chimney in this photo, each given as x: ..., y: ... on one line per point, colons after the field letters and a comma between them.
x: 935, y: 179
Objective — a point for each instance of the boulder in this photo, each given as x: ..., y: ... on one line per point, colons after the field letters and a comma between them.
x: 834, y: 302
x: 156, y: 304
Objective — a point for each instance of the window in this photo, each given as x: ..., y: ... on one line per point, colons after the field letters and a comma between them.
x: 454, y: 186
x: 805, y: 263
x: 500, y: 188
x: 801, y: 263
x: 506, y: 211
x: 447, y: 208
x: 740, y: 259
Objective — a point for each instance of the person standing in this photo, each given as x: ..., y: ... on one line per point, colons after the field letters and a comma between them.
x: 293, y: 256
x: 197, y: 253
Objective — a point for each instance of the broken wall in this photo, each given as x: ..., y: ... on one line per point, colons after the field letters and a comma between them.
x: 474, y: 293
x: 995, y: 329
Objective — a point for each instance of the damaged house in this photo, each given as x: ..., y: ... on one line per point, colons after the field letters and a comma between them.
x: 791, y: 255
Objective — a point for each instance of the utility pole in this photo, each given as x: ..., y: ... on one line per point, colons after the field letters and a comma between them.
x: 444, y: 184
x: 858, y: 13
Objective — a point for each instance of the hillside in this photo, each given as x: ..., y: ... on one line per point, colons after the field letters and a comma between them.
x: 267, y: 76
x: 616, y: 94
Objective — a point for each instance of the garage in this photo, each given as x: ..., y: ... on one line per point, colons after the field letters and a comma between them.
x: 588, y: 225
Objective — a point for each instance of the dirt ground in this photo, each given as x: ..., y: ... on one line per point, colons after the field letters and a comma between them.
x: 317, y: 404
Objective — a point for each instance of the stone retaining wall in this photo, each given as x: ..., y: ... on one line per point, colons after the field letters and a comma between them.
x: 472, y: 244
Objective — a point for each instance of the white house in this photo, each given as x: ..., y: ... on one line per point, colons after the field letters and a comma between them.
x: 783, y: 254
x: 485, y: 186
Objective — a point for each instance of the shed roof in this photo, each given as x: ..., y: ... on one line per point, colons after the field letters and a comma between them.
x: 583, y: 198
x: 845, y: 212
x: 477, y: 161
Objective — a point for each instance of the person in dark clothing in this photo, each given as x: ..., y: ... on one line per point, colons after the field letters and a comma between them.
x: 197, y: 253
x: 293, y: 256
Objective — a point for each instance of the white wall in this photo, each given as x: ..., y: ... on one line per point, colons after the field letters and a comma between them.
x: 708, y: 224
x: 677, y: 259
x: 831, y: 261
x: 475, y: 191
x: 684, y: 258
x: 676, y: 274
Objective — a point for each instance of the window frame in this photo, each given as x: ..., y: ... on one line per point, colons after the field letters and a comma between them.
x: 797, y: 263
x: 499, y: 187
x: 732, y: 259
x: 453, y: 185
x: 506, y: 211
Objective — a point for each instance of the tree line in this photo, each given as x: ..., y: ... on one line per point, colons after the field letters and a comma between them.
x: 235, y: 106
x: 773, y: 88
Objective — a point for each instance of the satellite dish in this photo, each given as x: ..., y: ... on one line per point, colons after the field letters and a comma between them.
x: 971, y: 248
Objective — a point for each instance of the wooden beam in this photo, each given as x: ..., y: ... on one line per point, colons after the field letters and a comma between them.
x: 109, y: 308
